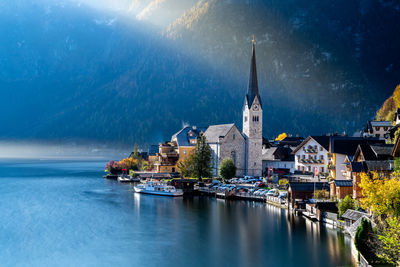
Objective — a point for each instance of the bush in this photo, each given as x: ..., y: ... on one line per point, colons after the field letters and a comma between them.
x: 227, y: 169
x: 347, y: 203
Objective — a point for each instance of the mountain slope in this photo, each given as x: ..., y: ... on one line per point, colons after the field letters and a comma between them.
x: 71, y: 72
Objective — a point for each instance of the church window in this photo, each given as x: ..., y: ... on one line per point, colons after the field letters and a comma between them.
x: 184, y: 152
x: 233, y: 155
x: 255, y: 163
x: 233, y: 137
x: 245, y: 118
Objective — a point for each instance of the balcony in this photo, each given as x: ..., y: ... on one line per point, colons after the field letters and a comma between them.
x: 312, y: 161
x: 310, y: 150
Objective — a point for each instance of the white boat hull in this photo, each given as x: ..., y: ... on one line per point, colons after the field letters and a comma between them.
x: 159, y: 193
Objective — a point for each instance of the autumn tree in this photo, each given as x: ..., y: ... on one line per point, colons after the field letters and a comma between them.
x: 388, y: 109
x: 186, y: 166
x: 381, y: 193
x: 281, y: 137
x: 390, y: 238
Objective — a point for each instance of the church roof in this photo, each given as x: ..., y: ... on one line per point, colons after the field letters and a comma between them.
x: 214, y: 132
x: 252, y: 89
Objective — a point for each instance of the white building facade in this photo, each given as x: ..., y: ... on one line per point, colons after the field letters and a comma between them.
x: 312, y: 155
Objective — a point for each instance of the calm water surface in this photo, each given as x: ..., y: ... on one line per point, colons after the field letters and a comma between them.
x: 60, y: 213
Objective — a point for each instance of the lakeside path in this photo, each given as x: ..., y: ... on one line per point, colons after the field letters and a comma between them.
x: 62, y: 213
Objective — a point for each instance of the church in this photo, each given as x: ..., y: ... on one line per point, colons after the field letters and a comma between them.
x: 225, y: 140
x: 245, y: 148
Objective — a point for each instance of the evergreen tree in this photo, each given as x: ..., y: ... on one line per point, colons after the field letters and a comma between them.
x: 202, y: 159
x: 363, y: 237
x: 227, y: 169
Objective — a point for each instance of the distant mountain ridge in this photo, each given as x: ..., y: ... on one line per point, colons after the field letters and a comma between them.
x: 69, y: 72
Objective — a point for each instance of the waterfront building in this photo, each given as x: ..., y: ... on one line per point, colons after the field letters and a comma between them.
x: 278, y: 159
x: 311, y: 156
x: 342, y: 147
x: 301, y: 191
x: 186, y: 140
x: 368, y: 158
x: 166, y: 158
x: 341, y: 188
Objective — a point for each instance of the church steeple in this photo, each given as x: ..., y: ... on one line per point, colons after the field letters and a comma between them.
x: 252, y: 89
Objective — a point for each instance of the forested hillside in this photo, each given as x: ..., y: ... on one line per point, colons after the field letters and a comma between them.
x: 136, y: 71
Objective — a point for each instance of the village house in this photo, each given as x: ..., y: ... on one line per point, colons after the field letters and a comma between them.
x: 311, y: 155
x: 278, y: 159
x: 186, y: 140
x: 342, y: 147
x: 369, y: 158
x: 377, y: 129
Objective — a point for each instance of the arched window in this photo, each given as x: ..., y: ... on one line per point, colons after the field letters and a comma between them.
x: 233, y: 156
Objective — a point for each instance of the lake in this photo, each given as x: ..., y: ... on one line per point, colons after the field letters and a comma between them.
x: 63, y: 213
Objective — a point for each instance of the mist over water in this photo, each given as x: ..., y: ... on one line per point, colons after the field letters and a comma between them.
x: 62, y: 213
x: 62, y: 150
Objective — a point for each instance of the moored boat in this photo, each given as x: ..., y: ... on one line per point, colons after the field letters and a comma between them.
x: 160, y: 189
x: 124, y: 178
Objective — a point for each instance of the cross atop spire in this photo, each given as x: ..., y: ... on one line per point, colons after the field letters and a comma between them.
x: 252, y: 89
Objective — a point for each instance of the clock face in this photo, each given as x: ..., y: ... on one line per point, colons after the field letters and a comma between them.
x: 255, y: 107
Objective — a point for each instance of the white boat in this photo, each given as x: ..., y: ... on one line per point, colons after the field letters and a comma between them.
x: 124, y: 178
x: 160, y: 189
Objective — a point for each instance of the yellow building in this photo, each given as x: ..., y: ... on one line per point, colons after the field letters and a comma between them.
x: 182, y: 144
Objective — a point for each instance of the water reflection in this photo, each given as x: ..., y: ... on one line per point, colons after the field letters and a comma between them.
x: 79, y: 219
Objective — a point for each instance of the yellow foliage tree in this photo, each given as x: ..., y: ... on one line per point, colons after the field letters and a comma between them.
x: 129, y: 163
x: 281, y: 137
x: 386, y: 112
x: 381, y: 193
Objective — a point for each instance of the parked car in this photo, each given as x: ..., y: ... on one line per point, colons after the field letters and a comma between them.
x: 234, y: 181
x: 283, y: 195
x: 258, y: 184
x: 260, y: 192
x: 273, y: 192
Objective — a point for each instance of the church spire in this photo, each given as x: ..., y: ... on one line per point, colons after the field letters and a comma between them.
x: 252, y: 89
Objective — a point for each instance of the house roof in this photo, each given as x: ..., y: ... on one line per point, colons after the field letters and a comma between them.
x: 353, y: 215
x: 214, y: 132
x: 308, y: 187
x: 186, y: 134
x: 343, y: 183
x: 379, y: 165
x: 322, y: 140
x: 375, y: 151
x: 348, y: 145
x: 381, y: 123
x: 269, y: 153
